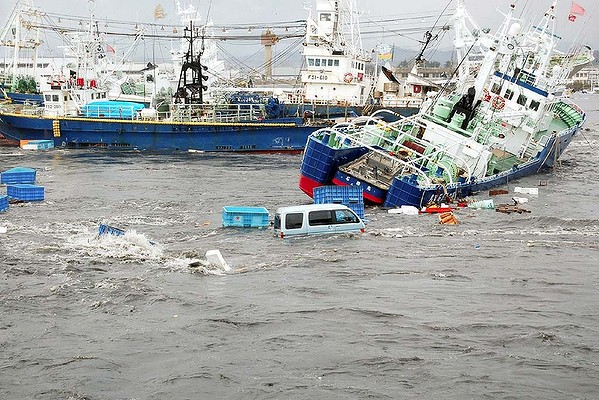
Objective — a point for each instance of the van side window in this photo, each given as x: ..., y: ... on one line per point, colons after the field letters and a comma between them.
x: 294, y: 220
x: 345, y: 217
x: 320, y: 217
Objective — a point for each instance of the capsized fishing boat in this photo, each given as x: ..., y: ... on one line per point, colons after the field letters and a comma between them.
x: 505, y: 119
x: 76, y: 113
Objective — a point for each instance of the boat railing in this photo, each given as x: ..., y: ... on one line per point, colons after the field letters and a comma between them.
x: 403, y: 102
x: 371, y: 132
x: 388, y: 137
x: 217, y: 113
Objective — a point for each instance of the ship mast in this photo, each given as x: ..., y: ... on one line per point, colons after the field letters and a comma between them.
x: 191, y: 86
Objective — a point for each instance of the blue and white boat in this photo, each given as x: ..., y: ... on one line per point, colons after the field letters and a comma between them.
x: 505, y: 119
x: 77, y: 113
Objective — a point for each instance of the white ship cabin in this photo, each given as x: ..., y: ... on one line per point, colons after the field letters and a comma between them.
x: 335, y: 67
x: 512, y: 106
x: 66, y: 97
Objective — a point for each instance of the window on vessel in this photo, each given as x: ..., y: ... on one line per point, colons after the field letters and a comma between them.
x: 47, y: 97
x: 294, y: 220
x: 317, y: 62
x: 325, y: 17
x: 321, y: 217
x: 534, y: 105
x: 345, y: 217
x: 310, y: 62
x: 330, y: 63
x: 55, y: 97
x: 522, y: 100
x: 336, y: 63
x: 66, y: 98
x: 509, y: 94
x: 496, y: 88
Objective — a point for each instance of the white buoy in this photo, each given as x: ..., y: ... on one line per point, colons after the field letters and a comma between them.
x: 215, y: 258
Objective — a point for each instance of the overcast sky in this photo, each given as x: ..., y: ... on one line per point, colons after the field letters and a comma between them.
x: 262, y: 11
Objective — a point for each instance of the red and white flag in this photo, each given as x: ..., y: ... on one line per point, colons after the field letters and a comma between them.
x: 575, y: 10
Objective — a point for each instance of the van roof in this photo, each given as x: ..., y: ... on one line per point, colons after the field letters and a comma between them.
x: 311, y: 207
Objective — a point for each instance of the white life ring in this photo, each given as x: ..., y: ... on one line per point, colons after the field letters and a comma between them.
x: 348, y: 77
x: 498, y: 103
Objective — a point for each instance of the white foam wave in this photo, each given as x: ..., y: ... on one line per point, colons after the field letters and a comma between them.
x: 192, y: 265
x: 131, y: 246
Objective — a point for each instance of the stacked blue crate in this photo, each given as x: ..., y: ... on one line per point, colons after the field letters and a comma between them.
x: 17, y: 175
x: 246, y: 217
x: 350, y: 196
x: 25, y: 192
x: 3, y: 203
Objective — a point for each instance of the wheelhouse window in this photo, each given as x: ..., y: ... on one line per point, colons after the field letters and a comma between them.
x: 496, y: 88
x: 325, y: 17
x: 310, y: 62
x: 534, y: 105
x: 509, y: 94
x: 522, y: 100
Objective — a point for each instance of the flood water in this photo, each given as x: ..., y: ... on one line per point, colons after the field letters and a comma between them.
x: 501, y: 306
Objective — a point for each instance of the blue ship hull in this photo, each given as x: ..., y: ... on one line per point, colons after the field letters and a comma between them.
x: 280, y: 135
x: 320, y: 163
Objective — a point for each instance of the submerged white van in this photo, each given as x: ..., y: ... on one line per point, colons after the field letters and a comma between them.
x: 316, y: 219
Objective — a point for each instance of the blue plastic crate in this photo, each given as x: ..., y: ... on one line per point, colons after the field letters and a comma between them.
x: 104, y: 229
x: 25, y: 192
x: 18, y: 175
x: 3, y: 203
x: 350, y: 196
x: 248, y: 217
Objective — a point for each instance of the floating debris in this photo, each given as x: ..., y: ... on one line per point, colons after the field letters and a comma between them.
x: 447, y: 218
x: 509, y: 208
x: 482, y: 204
x: 215, y: 258
x: 104, y: 229
x: 524, y: 190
